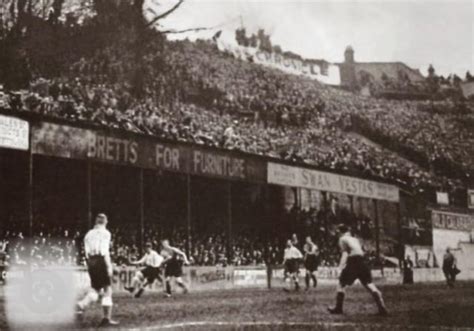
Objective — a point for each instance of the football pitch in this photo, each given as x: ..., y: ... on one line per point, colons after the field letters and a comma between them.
x: 415, y: 307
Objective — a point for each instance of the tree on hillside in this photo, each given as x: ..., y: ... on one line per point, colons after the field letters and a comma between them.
x: 432, y: 82
x: 44, y: 37
x: 264, y: 42
x: 277, y: 49
x: 155, y: 20
x: 457, y: 81
x: 27, y: 38
x: 431, y: 71
x: 253, y: 40
x: 469, y: 77
x: 241, y: 37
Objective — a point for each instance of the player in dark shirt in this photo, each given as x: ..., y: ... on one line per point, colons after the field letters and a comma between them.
x: 353, y: 267
x: 311, y: 262
x: 174, y: 260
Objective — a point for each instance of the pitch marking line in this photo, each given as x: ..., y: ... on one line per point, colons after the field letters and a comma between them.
x: 328, y: 325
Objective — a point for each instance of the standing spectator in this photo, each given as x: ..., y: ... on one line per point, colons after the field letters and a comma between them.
x: 449, y: 267
x: 229, y: 136
x: 407, y: 270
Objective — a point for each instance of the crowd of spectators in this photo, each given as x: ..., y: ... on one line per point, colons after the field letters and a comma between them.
x: 54, y: 244
x: 201, y: 95
x: 441, y: 136
x: 63, y: 247
x: 46, y: 248
x: 206, y: 250
x: 208, y: 97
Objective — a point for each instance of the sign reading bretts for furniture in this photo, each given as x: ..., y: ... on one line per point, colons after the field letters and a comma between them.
x: 144, y: 151
x: 14, y: 133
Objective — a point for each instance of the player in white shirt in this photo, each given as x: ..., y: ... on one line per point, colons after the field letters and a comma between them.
x: 353, y: 267
x: 99, y: 266
x: 146, y: 276
x: 291, y: 261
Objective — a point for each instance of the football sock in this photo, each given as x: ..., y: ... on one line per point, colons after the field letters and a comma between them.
x: 107, y: 312
x: 379, y: 301
x: 315, y: 280
x: 90, y: 297
x: 297, y: 285
x: 168, y: 287
x: 339, y: 301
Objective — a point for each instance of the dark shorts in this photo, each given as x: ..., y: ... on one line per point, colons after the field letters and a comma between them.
x: 447, y: 270
x: 150, y: 274
x: 356, y: 268
x: 98, y: 272
x: 292, y: 266
x: 407, y: 276
x: 174, y: 268
x: 311, y: 263
x: 3, y: 274
x: 450, y: 271
x: 448, y: 267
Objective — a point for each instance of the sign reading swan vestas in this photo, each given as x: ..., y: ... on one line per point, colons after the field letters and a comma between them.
x: 324, y: 181
x: 145, y: 152
x: 14, y: 133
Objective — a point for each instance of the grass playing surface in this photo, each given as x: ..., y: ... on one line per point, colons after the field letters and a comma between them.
x: 415, y: 307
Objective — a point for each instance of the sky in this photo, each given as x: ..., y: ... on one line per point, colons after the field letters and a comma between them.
x: 416, y: 32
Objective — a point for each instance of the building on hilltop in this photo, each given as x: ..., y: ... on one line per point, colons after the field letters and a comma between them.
x: 360, y: 76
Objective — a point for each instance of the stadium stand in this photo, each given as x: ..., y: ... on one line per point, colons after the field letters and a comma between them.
x: 198, y: 94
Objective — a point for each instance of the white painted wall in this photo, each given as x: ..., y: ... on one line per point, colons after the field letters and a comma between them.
x: 443, y: 238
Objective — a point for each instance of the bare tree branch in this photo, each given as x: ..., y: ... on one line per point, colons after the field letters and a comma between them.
x: 186, y: 30
x: 165, y: 14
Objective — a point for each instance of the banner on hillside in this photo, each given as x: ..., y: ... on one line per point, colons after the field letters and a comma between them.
x: 324, y: 181
x: 14, y: 133
x: 320, y: 70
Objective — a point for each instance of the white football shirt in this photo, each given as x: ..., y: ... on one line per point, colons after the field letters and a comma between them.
x: 97, y: 241
x: 292, y: 253
x: 152, y: 259
x: 351, y: 245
